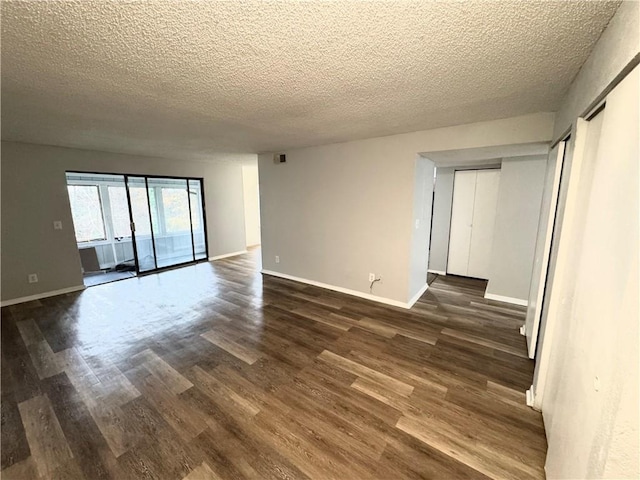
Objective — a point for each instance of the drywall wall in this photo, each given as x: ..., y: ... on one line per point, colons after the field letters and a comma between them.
x: 617, y: 47
x: 335, y: 213
x: 251, y: 203
x: 441, y: 221
x: 614, y: 53
x: 515, y: 231
x: 590, y: 396
x: 34, y: 194
x: 566, y: 359
x: 422, y: 204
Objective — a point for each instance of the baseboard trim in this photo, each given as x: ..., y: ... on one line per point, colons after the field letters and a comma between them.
x: 417, y: 296
x: 52, y: 293
x: 531, y: 399
x: 512, y: 300
x: 355, y: 293
x: 227, y: 255
x: 437, y: 272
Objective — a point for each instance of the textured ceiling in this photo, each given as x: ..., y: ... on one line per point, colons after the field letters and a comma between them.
x: 188, y: 78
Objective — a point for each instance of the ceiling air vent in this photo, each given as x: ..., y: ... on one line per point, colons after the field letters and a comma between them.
x: 279, y: 158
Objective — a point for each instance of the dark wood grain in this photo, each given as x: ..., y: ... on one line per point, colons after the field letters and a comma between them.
x: 213, y: 371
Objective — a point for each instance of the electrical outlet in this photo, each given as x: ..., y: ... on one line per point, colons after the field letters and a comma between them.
x: 372, y: 277
x: 277, y: 258
x: 33, y: 278
x: 57, y: 225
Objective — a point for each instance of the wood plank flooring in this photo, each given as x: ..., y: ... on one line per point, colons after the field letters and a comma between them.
x: 214, y: 372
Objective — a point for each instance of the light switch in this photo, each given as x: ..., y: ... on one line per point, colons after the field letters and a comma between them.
x: 57, y: 225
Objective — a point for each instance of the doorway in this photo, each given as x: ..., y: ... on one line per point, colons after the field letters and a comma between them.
x: 546, y: 245
x: 128, y: 225
x: 475, y: 195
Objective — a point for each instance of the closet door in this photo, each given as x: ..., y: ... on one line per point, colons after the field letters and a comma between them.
x: 544, y: 241
x: 484, y: 217
x: 464, y: 187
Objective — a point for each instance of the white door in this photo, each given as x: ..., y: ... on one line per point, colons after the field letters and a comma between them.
x: 484, y: 219
x: 464, y: 191
x: 593, y: 370
x: 475, y: 194
x: 543, y: 245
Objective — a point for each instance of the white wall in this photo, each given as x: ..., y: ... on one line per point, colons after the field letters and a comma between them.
x: 591, y: 326
x: 590, y: 400
x: 251, y: 203
x: 334, y: 213
x: 34, y: 194
x: 514, y: 236
x: 618, y: 45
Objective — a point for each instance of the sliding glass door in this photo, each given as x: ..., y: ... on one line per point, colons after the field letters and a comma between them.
x: 167, y: 221
x: 142, y: 233
x: 196, y: 204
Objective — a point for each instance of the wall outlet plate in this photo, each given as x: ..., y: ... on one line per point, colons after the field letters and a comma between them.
x: 57, y: 225
x: 372, y: 277
x: 33, y: 278
x: 277, y: 258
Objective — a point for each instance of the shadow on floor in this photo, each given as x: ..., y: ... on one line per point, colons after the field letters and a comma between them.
x: 93, y: 279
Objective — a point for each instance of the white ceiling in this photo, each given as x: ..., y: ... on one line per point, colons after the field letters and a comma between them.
x: 185, y: 79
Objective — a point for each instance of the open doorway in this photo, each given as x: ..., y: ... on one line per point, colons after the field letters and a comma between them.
x: 128, y: 225
x: 251, y: 194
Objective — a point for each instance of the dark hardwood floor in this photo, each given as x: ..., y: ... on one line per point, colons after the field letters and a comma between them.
x: 212, y: 371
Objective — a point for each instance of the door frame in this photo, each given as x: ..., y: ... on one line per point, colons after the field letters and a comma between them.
x: 541, y: 295
x: 574, y: 154
x: 132, y: 226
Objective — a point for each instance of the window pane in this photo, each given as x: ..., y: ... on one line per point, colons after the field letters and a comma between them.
x: 86, y: 210
x: 119, y: 211
x: 195, y: 211
x: 176, y: 209
x: 140, y: 207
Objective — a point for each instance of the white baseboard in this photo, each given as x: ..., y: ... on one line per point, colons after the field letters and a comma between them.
x: 531, y: 399
x: 437, y: 272
x: 30, y: 298
x: 500, y: 298
x: 355, y: 293
x: 227, y: 255
x: 417, y: 296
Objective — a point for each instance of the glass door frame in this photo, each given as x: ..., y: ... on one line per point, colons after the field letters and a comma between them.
x: 187, y: 181
x: 132, y: 224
